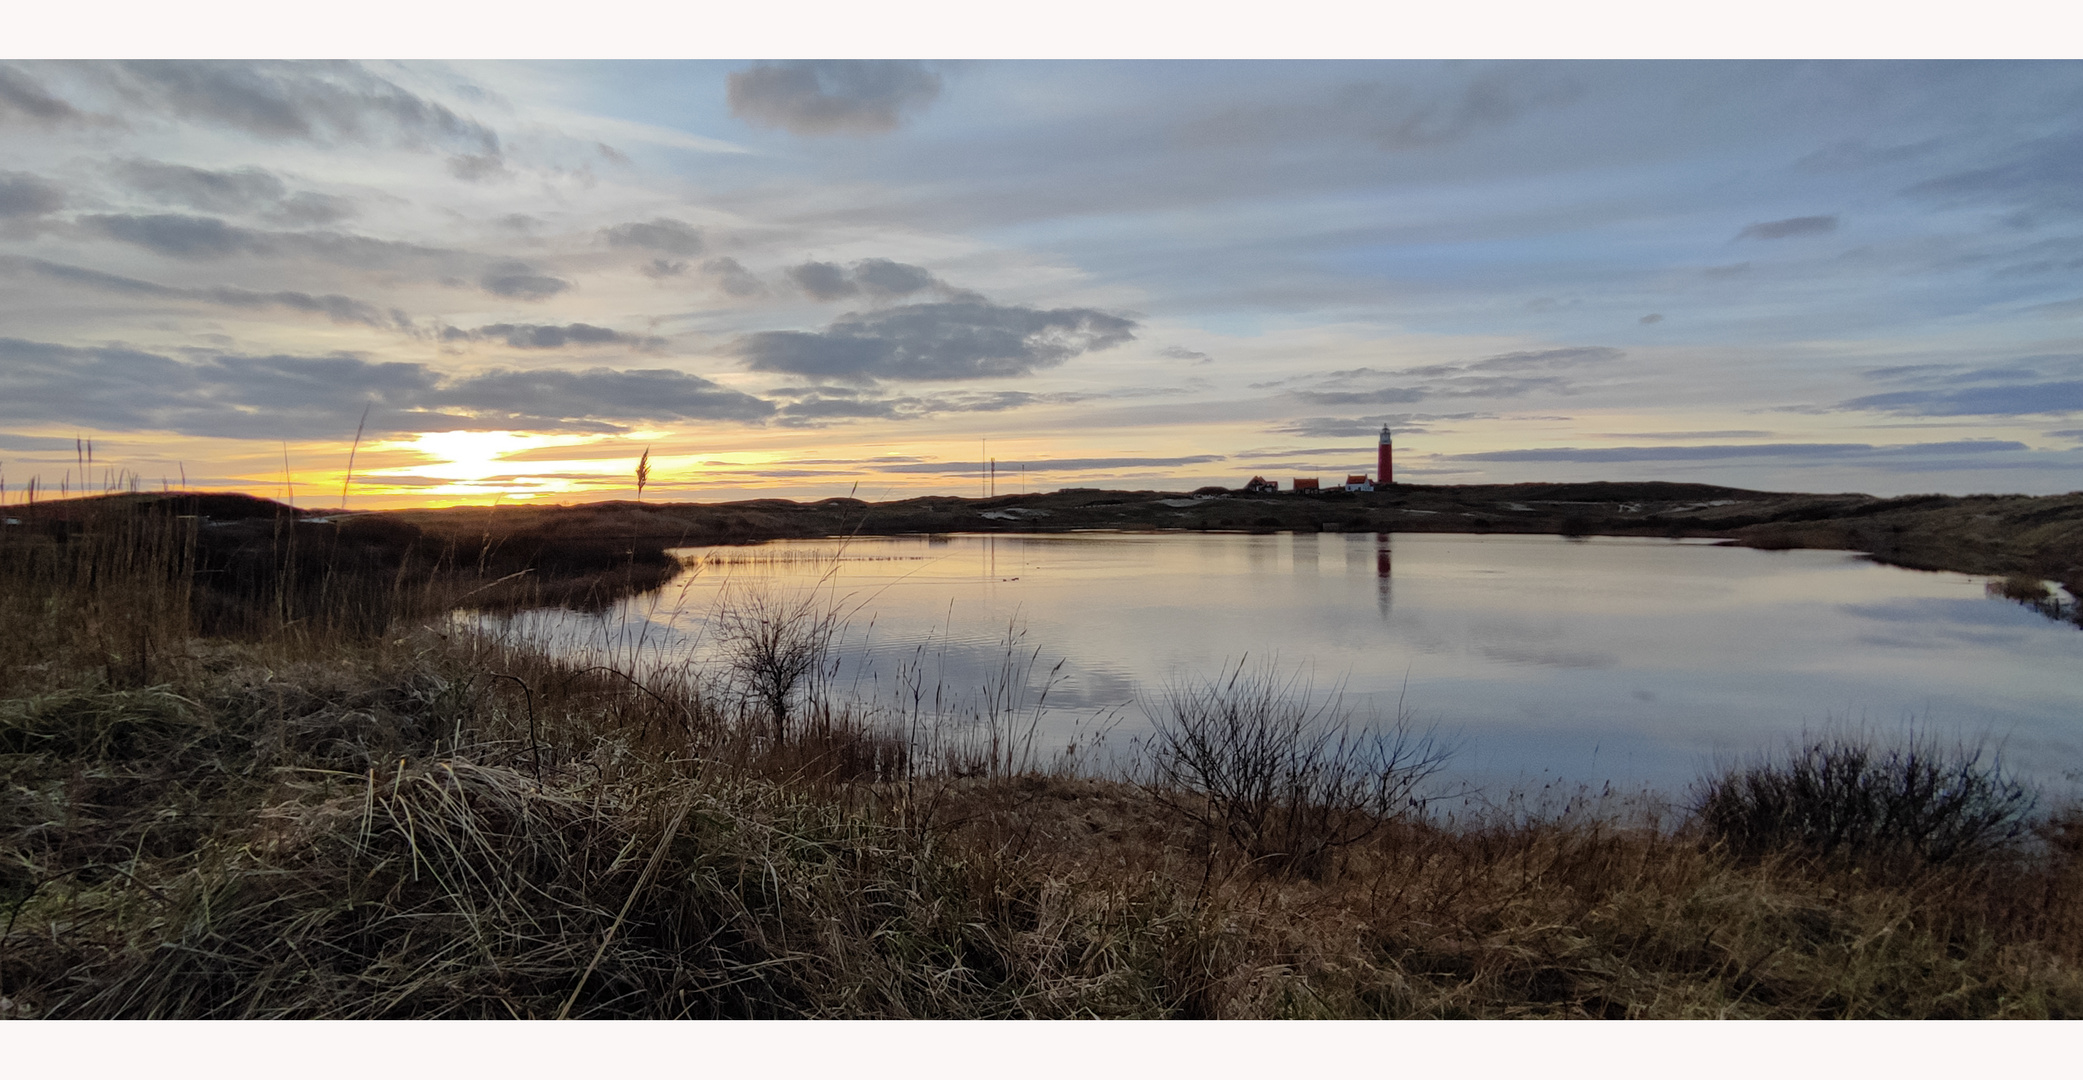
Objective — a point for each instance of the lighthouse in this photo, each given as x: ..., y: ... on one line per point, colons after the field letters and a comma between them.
x: 1385, y: 460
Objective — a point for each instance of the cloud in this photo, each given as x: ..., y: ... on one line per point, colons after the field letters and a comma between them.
x: 964, y: 339
x: 231, y: 191
x: 565, y: 397
x: 1851, y: 155
x: 2059, y: 309
x: 1680, y: 435
x: 662, y: 268
x: 816, y: 405
x: 879, y: 279
x: 25, y: 196
x: 1178, y: 352
x: 993, y: 400
x: 23, y: 98
x: 314, y: 102
x: 312, y: 208
x: 1329, y: 427
x: 529, y: 336
x: 1387, y: 396
x: 222, y: 191
x: 80, y: 275
x: 957, y: 468
x: 832, y: 97
x: 1318, y: 451
x: 1511, y: 374
x: 230, y: 395
x: 179, y: 236
x: 1786, y: 227
x: 34, y: 444
x: 808, y: 412
x: 887, y: 278
x: 233, y: 396
x: 1815, y: 451
x: 347, y: 249
x: 340, y: 309
x: 1530, y: 360
x: 822, y: 280
x: 659, y: 234
x: 1332, y: 427
x: 478, y: 168
x: 189, y: 237
x: 1393, y: 116
x: 731, y: 276
x: 519, y: 281
x: 2021, y: 399
x: 1650, y: 320
x: 2039, y: 175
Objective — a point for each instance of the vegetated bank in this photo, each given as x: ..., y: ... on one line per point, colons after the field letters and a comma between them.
x: 296, y: 793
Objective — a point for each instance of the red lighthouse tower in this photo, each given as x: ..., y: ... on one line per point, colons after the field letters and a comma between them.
x: 1385, y: 460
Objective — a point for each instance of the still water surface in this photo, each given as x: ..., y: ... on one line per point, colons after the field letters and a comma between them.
x: 1631, y: 661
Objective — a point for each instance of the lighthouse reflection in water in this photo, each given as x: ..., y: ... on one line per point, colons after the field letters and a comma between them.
x: 1623, y: 660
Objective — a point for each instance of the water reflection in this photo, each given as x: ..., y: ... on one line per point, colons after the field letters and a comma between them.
x: 1383, y: 595
x: 1630, y: 660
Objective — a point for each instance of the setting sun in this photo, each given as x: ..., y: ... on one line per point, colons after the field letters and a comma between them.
x: 478, y: 464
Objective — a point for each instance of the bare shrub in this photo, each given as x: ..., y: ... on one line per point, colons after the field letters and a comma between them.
x: 1285, y: 779
x: 1844, y: 796
x: 775, y: 644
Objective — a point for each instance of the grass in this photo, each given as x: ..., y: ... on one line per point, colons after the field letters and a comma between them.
x: 324, y: 808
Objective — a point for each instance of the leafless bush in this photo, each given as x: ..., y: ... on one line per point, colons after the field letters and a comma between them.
x: 1284, y: 778
x: 775, y: 644
x: 1850, y: 796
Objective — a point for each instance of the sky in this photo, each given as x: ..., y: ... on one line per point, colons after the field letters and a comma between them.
x: 867, y: 277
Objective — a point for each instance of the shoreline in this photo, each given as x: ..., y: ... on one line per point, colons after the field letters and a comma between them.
x: 590, y: 554
x: 1992, y: 535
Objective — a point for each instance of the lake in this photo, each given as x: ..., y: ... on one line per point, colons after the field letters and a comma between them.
x: 1638, y: 662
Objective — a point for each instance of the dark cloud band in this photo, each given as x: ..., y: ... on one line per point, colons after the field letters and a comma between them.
x: 26, y: 196
x: 832, y: 97
x: 1819, y: 452
x: 879, y: 279
x: 659, y: 234
x: 1780, y: 230
x: 2025, y: 399
x: 958, y: 468
x: 238, y: 396
x: 340, y: 309
x: 531, y: 336
x: 969, y: 339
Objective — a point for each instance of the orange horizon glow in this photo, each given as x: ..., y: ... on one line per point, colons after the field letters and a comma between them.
x: 480, y: 468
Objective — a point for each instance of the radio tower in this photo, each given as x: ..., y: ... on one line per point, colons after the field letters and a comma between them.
x: 1385, y: 459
